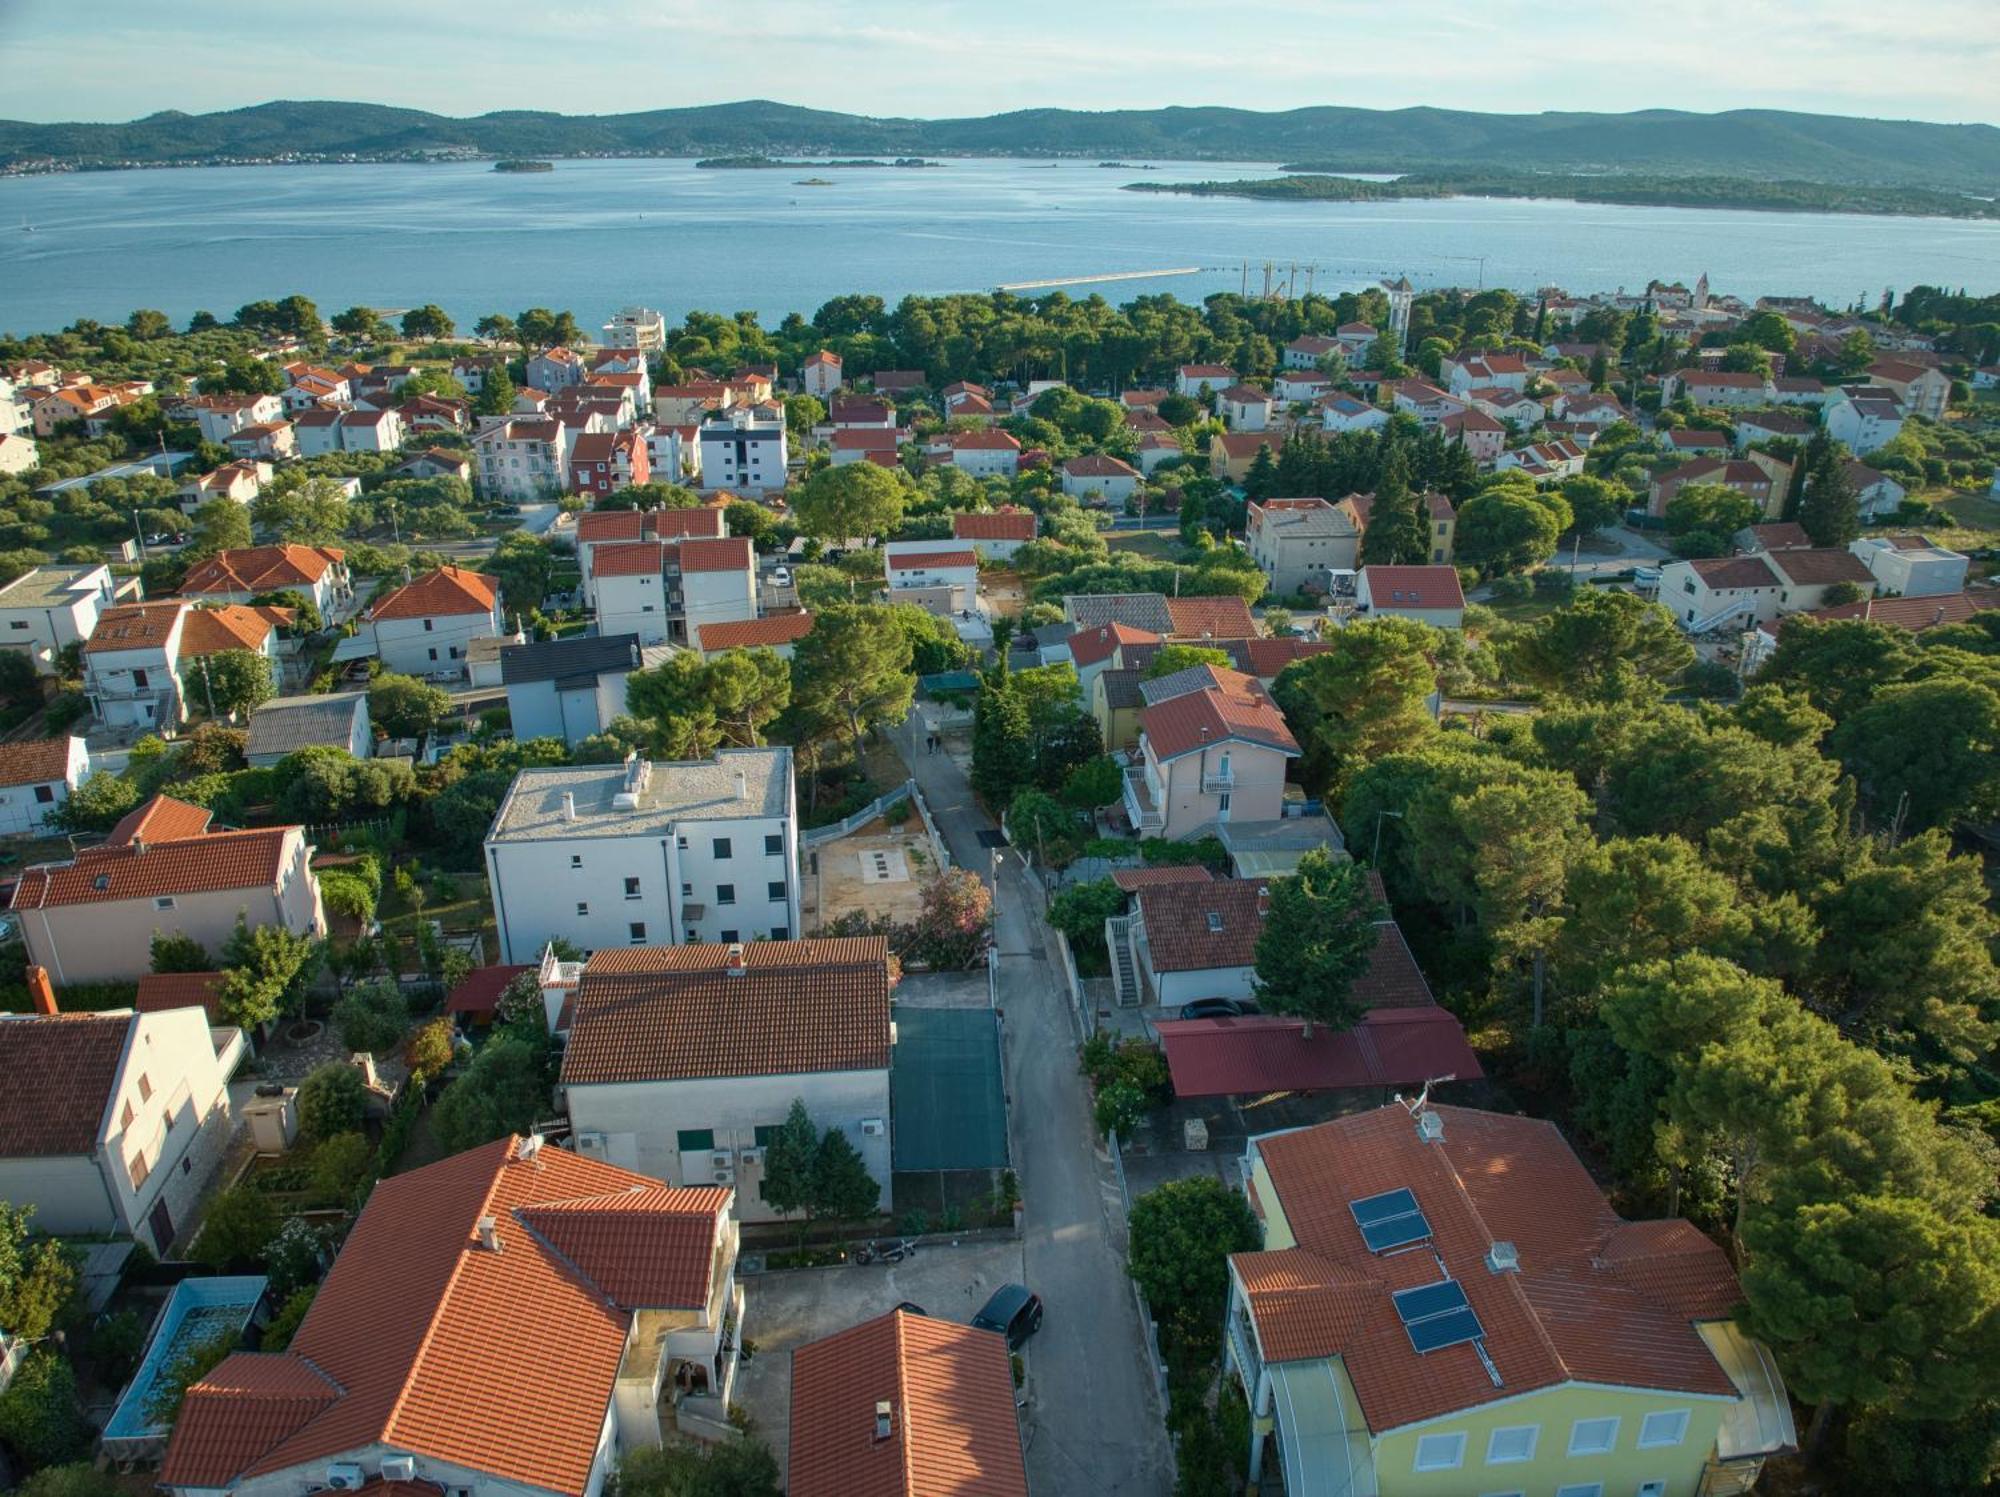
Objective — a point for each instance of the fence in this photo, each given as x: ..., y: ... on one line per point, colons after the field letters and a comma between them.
x: 1154, y: 1359
x: 860, y: 818
x: 938, y: 849
x: 1080, y: 1007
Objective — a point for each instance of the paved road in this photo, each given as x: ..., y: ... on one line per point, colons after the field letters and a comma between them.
x: 1094, y: 1423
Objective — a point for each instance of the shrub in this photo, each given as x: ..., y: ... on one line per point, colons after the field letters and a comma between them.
x: 339, y: 1164
x: 178, y: 952
x: 285, y: 1324
x: 115, y: 1344
x: 296, y: 1255
x: 39, y: 1417
x: 238, y: 1228
x: 373, y: 1017
x: 331, y: 1100
x: 1119, y: 1108
x: 78, y: 1479
x: 347, y: 895
x: 1511, y: 589
x: 187, y: 1369
x: 430, y: 1050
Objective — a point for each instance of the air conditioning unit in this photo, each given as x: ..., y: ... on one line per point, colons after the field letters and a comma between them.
x: 872, y: 1128
x: 590, y: 1143
x: 751, y: 1156
x: 399, y: 1468
x: 723, y: 1159
x: 725, y: 1177
x: 344, y: 1476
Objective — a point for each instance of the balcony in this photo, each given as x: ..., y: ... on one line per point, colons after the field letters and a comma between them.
x: 1139, y: 803
x: 1218, y: 782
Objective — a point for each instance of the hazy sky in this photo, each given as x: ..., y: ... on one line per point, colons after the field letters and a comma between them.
x: 1933, y: 60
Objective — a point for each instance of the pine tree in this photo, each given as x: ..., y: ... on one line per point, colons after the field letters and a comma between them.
x: 1262, y: 480
x: 1830, y: 509
x: 1397, y: 534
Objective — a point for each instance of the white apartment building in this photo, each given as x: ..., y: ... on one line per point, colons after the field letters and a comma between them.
x: 1909, y: 566
x: 520, y: 458
x: 222, y: 416
x: 1865, y: 417
x: 51, y: 608
x: 425, y: 627
x: 743, y: 450
x: 636, y: 327
x: 1295, y: 541
x: 643, y: 854
x: 663, y: 591
x: 18, y: 454
x: 36, y: 777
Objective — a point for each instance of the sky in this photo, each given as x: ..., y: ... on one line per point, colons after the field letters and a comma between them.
x: 1933, y: 60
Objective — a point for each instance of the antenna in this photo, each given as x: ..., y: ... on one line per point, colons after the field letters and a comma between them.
x: 1422, y: 1099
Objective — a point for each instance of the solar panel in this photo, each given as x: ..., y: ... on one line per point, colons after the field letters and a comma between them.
x: 1429, y: 1299
x: 1449, y: 1329
x: 1395, y: 1232
x: 1381, y: 1208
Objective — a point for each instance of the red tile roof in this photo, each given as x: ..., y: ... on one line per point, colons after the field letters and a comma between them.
x: 1815, y: 566
x: 1131, y: 880
x: 1245, y: 443
x: 751, y: 634
x: 1238, y: 709
x: 949, y: 1389
x: 1222, y: 617
x: 233, y: 626
x: 1089, y: 646
x: 1261, y: 1053
x: 1784, y: 536
x: 480, y: 989
x: 729, y: 553
x: 56, y: 1076
x: 865, y: 439
x: 161, y: 819
x: 261, y: 569
x: 677, y: 1012
x: 424, y: 1341
x: 984, y: 441
x: 627, y: 559
x: 1098, y: 465
x: 1728, y: 572
x: 1203, y: 927
x: 1267, y: 657
x: 251, y: 859
x: 927, y: 561
x: 1595, y: 1299
x: 134, y: 626
x: 1914, y: 614
x: 34, y: 761
x: 1001, y: 525
x: 1414, y: 587
x: 160, y: 991
x: 439, y: 594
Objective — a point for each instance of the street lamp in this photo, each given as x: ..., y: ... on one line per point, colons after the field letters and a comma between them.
x: 1375, y: 858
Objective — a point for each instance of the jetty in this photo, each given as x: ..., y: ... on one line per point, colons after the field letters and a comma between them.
x: 1089, y: 280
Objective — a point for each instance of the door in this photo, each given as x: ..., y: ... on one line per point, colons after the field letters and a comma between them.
x: 161, y: 1224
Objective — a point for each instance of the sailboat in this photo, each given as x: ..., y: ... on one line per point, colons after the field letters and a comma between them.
x: 26, y: 227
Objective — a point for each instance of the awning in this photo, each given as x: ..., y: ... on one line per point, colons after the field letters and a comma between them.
x: 355, y: 647
x: 1264, y: 1053
x: 1760, y: 1422
x: 1322, y: 1458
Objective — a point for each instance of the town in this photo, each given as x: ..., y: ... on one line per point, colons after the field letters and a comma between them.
x: 1377, y: 894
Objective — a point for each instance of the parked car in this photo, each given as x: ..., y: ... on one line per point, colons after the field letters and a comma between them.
x: 1218, y: 1008
x: 781, y: 577
x: 1015, y: 1311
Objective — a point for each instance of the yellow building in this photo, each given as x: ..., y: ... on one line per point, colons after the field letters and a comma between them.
x: 1445, y: 1306
x: 1231, y: 453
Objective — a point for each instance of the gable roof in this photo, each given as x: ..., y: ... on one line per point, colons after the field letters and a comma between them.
x: 56, y: 1076
x: 232, y: 626
x: 1781, y: 535
x: 161, y: 991
x: 1222, y: 617
x: 950, y: 1392
x: 1199, y: 927
x: 1596, y: 1299
x: 1258, y: 1054
x: 579, y: 658
x: 35, y: 761
x: 925, y: 561
x: 1132, y: 880
x: 445, y: 592
x: 418, y: 1338
x: 161, y: 819
x: 134, y: 626
x: 1000, y: 525
x: 1146, y: 611
x: 1814, y: 566
x: 1088, y: 646
x: 768, y: 632
x: 1098, y: 465
x: 1913, y: 614
x: 1236, y: 708
x: 678, y: 1013
x: 250, y: 859
x: 1425, y: 587
x: 284, y: 725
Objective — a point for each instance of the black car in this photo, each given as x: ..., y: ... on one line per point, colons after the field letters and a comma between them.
x: 1015, y: 1311
x: 1218, y: 1008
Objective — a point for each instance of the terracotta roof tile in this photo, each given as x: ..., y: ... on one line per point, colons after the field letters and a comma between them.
x: 160, y: 991
x: 56, y: 1076
x: 261, y: 569
x: 445, y: 592
x: 134, y: 626
x: 1914, y: 614
x: 1414, y: 587
x: 726, y: 554
x: 675, y: 1013
x: 950, y: 1392
x: 750, y: 634
x: 480, y: 989
x: 1200, y: 927
x: 251, y: 859
x: 34, y: 761
x: 161, y: 819
x: 245, y: 1405
x: 1131, y: 880
x: 1724, y: 572
x: 1088, y: 646
x: 1258, y: 1054
x: 1224, y: 617
x: 924, y: 561
x: 233, y: 626
x: 1098, y: 465
x: 1238, y: 709
x: 1001, y: 525
x: 1816, y: 566
x: 644, y: 1246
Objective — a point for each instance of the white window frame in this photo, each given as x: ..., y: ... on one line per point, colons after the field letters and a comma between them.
x: 1686, y: 1417
x: 1532, y: 1431
x: 1610, y: 1444
x: 1457, y: 1443
x: 1581, y: 1489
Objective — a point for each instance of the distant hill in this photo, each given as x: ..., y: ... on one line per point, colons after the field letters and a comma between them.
x: 1753, y: 143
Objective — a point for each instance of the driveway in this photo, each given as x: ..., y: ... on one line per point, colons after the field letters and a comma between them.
x: 783, y: 1311
x: 1095, y: 1424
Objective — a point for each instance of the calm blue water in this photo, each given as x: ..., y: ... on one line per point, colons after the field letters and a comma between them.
x: 594, y: 235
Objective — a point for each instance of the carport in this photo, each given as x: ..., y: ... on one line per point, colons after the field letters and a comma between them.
x: 950, y: 1108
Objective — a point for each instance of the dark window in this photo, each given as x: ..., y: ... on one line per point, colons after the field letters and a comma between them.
x: 45, y: 793
x: 576, y: 860
x: 767, y: 1134
x: 776, y: 888
x: 725, y: 893
x: 694, y: 1140
x: 139, y: 680
x: 582, y: 908
x: 638, y: 930
x: 774, y: 845
x: 631, y: 888
x: 781, y: 933
x: 730, y: 937
x: 722, y: 847
x: 428, y: 626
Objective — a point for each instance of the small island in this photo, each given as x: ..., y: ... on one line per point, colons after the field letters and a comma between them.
x: 524, y: 166
x: 772, y: 163
x: 813, y: 182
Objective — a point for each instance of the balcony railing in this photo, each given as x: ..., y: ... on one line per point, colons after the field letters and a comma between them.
x: 1223, y: 780
x: 1139, y: 801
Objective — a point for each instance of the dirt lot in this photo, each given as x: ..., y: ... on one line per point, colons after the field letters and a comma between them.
x: 850, y: 868
x: 1003, y: 593
x: 783, y: 1311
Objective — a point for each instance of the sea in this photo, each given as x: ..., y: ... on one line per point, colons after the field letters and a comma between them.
x: 593, y: 236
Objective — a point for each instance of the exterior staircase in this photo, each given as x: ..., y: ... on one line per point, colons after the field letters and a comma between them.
x: 1126, y: 987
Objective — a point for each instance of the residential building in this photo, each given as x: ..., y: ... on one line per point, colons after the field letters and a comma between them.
x: 554, y: 369
x: 1529, y: 1340
x: 1232, y: 454
x: 602, y: 463
x: 821, y: 376
x: 112, y: 1123
x: 1770, y: 426
x: 1141, y: 400
x: 1444, y: 527
x: 1244, y: 407
x: 1708, y: 593
x: 1468, y: 371
x: 1099, y: 648
x: 1295, y: 541
x: 1297, y: 388
x: 1912, y: 614
x: 1909, y: 566
x: 424, y: 627
x: 512, y: 1277
x: 1921, y: 389
x: 994, y: 535
x: 1305, y: 351
x: 855, y: 411
x: 45, y: 611
x: 1355, y: 338
x: 865, y: 444
x: 682, y: 1062
x: 1865, y: 417
x: 639, y: 854
x: 1784, y: 535
x: 238, y: 482
x: 1879, y: 493
x: 1198, y: 380
x: 93, y: 918
x: 905, y: 1405
x: 665, y: 590
x: 221, y: 416
x: 776, y: 632
x: 1545, y: 462
x: 1508, y: 406
x: 743, y: 450
x: 896, y: 381
x: 1100, y: 474
x: 522, y: 460
x: 18, y: 454
x: 640, y: 328
x: 568, y: 688
x: 939, y: 576
x: 1341, y: 412
x: 1694, y: 441
x: 437, y: 462
x: 1806, y: 573
x: 1115, y: 702
x: 1798, y: 390
x: 1747, y: 478
x: 1585, y: 409
x: 1157, y: 448
x: 36, y: 776
x: 267, y: 441
x: 1479, y: 433
x: 1092, y: 610
x: 131, y: 665
x: 1425, y: 401
x: 428, y: 415
x: 672, y: 452
x: 1427, y: 594
x: 319, y: 572
x: 1714, y: 387
x: 1212, y: 748
x: 470, y: 370
x: 614, y: 526
x: 984, y: 454
x: 284, y: 725
x: 1209, y: 619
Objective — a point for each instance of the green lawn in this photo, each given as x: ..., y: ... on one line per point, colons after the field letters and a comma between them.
x: 1160, y: 545
x: 1526, y: 610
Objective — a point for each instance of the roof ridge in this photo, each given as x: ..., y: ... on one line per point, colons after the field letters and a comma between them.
x: 906, y: 1435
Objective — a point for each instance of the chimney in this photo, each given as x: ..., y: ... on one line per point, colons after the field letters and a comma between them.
x: 1263, y: 900
x: 1502, y: 1257
x: 138, y: 847
x: 733, y: 961
x: 489, y: 1234
x: 1430, y: 1127
x: 742, y: 785
x: 569, y: 805
x: 39, y: 990
x: 885, y: 1420
x: 531, y: 1148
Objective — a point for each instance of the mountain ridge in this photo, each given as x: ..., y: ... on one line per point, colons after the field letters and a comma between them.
x: 1752, y: 143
